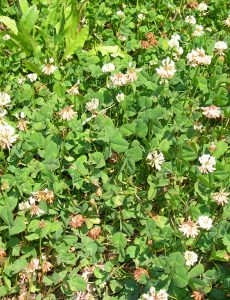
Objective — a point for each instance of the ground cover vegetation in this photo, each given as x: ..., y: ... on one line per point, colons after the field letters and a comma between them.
x: 114, y: 149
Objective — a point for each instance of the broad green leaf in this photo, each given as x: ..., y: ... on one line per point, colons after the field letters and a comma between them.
x: 10, y: 23
x: 29, y: 19
x: 18, y: 226
x: 6, y: 215
x: 128, y: 129
x: 105, y: 50
x: 119, y: 240
x: 141, y: 129
x: 221, y: 148
x: 196, y: 271
x: 118, y: 144
x: 24, y: 6
x: 77, y: 283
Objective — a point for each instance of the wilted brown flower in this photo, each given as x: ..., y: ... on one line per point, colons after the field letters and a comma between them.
x: 114, y: 158
x: 42, y: 224
x: 145, y: 44
x: 94, y: 233
x: 139, y: 272
x: 151, y: 39
x: 77, y: 221
x: 46, y: 266
x: 2, y: 253
x: 198, y: 295
x: 45, y: 195
x: 212, y: 147
x: 192, y: 4
x: 67, y: 113
x: 22, y: 124
x: 49, y: 197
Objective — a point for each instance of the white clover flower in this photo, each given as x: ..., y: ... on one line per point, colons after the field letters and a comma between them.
x: 108, y: 68
x: 211, y: 112
x: 74, y: 90
x: 198, y: 57
x: 119, y: 79
x: 120, y: 97
x: 190, y: 258
x: 92, y: 105
x: 141, y: 17
x: 3, y: 112
x: 167, y: 69
x: 21, y: 81
x: 221, y: 197
x: 199, y: 127
x: 7, y: 136
x: 173, y: 43
x: 208, y: 163
x: 202, y: 7
x: 220, y: 46
x: 120, y: 13
x: 190, y: 20
x: 24, y: 205
x: 4, y: 99
x: 67, y: 113
x: 49, y: 68
x: 189, y: 228
x: 155, y: 159
x: 227, y: 21
x: 6, y: 37
x: 32, y: 77
x: 153, y: 295
x: 199, y: 30
x: 122, y: 38
x: 131, y: 74
x: 205, y: 222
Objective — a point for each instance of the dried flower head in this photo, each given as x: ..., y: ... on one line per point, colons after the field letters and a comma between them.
x: 94, y: 233
x: 35, y: 210
x: 22, y: 124
x: 67, y: 113
x: 46, y: 266
x: 145, y: 44
x: 221, y: 197
x: 138, y: 273
x: 227, y: 21
x: 192, y: 4
x: 77, y: 221
x: 189, y: 228
x: 198, y: 295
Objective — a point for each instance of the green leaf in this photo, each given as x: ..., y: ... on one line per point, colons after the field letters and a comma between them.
x: 134, y: 153
x: 196, y: 271
x: 128, y: 129
x: 24, y: 6
x: 29, y: 19
x: 141, y: 129
x: 119, y: 240
x: 10, y: 23
x: 77, y: 283
x: 18, y: 226
x: 105, y: 50
x: 6, y: 215
x: 118, y: 144
x: 221, y: 148
x: 98, y: 159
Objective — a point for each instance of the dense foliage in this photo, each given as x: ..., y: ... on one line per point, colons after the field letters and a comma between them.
x: 114, y: 149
